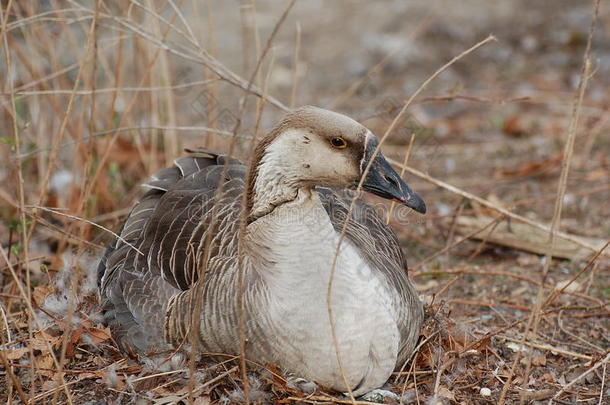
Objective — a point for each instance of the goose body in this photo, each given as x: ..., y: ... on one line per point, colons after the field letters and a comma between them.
x: 174, y: 276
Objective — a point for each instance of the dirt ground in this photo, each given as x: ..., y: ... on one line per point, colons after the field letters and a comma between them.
x: 96, y: 95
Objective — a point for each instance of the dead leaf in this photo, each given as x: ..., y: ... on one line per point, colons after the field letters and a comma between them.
x: 15, y: 354
x: 539, y: 360
x: 89, y: 375
x: 48, y: 385
x: 98, y: 335
x: 484, y: 344
x: 43, y: 341
x: 444, y: 392
x: 483, y: 211
x: 512, y: 126
x: 44, y: 365
x: 203, y: 400
x: 530, y: 169
x: 95, y: 335
x: 86, y: 323
x: 40, y: 294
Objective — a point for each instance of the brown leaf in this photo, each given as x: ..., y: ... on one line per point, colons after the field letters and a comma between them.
x: 483, y: 211
x: 99, y: 335
x: 512, y: 126
x: 539, y: 360
x: 72, y: 343
x: 86, y: 323
x: 15, y: 354
x: 530, y: 169
x: 43, y: 341
x: 444, y: 392
x: 274, y: 376
x: 44, y: 365
x: 49, y: 385
x: 484, y: 344
x: 203, y: 400
x: 40, y: 294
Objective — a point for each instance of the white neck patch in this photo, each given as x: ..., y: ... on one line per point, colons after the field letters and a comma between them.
x: 276, y: 180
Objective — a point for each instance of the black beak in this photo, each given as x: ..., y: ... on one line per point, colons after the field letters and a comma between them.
x: 382, y: 180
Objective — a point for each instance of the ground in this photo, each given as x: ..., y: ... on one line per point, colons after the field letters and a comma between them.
x: 504, y: 324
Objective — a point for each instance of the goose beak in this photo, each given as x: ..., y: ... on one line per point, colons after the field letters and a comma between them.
x: 382, y: 180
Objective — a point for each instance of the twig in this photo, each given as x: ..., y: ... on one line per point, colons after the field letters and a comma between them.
x: 320, y: 399
x: 580, y: 377
x: 295, y: 68
x: 138, y: 128
x: 146, y: 377
x: 86, y: 221
x: 548, y: 348
x: 14, y: 380
x: 534, y: 319
x: 109, y: 89
x: 170, y: 24
x: 601, y: 390
x: 586, y: 342
x: 493, y: 273
x: 40, y: 16
x: 210, y: 382
x: 458, y: 242
x: 445, y: 288
x: 555, y: 293
x: 202, y: 57
x: 32, y: 313
x: 4, y: 16
x: 493, y: 206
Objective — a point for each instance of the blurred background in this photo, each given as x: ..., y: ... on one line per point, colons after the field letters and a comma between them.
x: 98, y: 94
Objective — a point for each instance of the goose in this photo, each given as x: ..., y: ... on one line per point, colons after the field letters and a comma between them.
x: 173, y: 278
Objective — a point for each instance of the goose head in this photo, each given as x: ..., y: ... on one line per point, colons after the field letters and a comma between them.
x: 312, y: 147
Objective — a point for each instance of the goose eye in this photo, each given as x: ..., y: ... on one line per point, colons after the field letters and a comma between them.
x: 338, y: 142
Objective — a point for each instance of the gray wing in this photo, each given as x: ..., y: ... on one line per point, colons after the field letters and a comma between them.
x: 188, y: 217
x: 380, y: 247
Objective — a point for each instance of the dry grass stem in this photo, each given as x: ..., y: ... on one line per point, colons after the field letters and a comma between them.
x: 494, y: 206
x: 534, y: 321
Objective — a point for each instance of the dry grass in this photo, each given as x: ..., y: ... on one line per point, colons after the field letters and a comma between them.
x: 97, y: 94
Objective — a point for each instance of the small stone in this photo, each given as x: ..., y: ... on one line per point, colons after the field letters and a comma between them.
x: 485, y: 392
x: 379, y: 396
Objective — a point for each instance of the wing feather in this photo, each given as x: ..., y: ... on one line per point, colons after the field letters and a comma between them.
x: 178, y: 224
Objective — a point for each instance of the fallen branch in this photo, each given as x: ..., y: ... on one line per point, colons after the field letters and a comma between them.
x: 528, y: 238
x: 486, y: 203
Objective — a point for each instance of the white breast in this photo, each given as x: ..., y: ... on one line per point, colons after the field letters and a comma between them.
x: 302, y: 248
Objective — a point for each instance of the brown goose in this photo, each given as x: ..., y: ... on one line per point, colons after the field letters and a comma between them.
x: 178, y: 256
